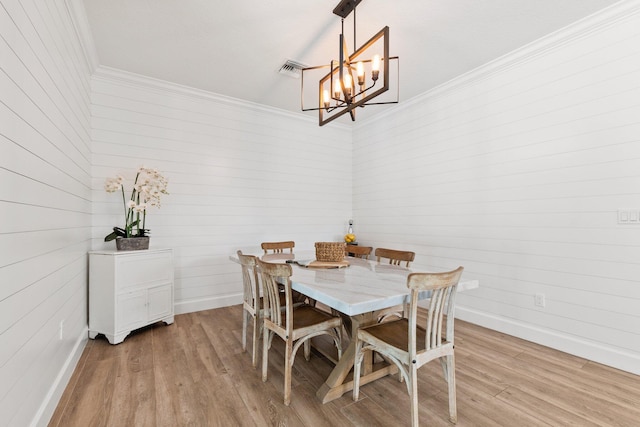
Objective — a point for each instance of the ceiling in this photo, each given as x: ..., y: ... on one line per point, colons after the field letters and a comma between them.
x: 236, y: 48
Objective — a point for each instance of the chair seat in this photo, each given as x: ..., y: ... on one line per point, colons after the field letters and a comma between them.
x: 395, y: 333
x: 306, y: 316
x: 307, y: 319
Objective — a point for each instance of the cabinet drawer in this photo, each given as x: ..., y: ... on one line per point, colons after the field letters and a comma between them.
x: 137, y: 271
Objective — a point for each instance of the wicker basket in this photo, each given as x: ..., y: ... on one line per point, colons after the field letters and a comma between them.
x: 330, y: 251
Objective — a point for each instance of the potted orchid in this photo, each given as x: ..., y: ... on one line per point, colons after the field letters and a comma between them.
x: 148, y: 186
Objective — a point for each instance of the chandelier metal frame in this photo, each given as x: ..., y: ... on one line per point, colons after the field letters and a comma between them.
x: 340, y: 83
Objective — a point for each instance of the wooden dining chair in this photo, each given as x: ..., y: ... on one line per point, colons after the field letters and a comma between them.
x: 280, y: 248
x: 253, y: 303
x: 295, y: 325
x: 395, y: 257
x: 277, y: 247
x: 252, y: 307
x: 410, y: 346
x: 358, y: 251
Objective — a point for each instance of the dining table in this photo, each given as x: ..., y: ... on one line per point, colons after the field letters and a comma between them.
x: 358, y: 292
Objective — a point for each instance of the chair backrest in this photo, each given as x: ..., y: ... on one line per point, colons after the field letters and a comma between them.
x: 395, y: 257
x: 277, y: 247
x: 442, y: 302
x: 358, y: 251
x: 273, y: 275
x: 251, y: 285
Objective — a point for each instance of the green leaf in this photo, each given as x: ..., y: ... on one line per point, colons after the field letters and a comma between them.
x: 117, y: 232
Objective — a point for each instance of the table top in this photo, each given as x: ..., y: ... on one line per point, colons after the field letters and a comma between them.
x: 362, y: 287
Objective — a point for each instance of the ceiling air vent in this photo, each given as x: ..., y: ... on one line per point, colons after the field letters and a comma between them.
x: 292, y: 69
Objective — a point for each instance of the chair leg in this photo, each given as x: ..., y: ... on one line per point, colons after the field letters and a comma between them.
x: 265, y: 354
x: 451, y: 380
x: 307, y: 350
x: 413, y: 387
x: 256, y: 339
x: 245, y: 315
x: 445, y: 370
x: 288, y: 362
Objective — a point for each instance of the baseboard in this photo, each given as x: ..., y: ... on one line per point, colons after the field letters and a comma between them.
x: 50, y: 402
x: 194, y: 305
x: 626, y: 361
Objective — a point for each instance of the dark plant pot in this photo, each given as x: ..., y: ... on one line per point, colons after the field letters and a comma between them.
x: 132, y: 243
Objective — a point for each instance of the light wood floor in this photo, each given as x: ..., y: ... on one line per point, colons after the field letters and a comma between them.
x: 193, y: 373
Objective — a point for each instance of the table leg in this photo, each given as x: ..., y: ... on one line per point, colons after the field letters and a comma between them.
x: 335, y: 385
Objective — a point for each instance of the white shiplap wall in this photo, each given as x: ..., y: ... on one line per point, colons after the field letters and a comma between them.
x: 45, y: 204
x: 239, y: 174
x: 516, y: 171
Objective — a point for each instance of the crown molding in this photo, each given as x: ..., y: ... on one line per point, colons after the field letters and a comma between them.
x: 597, y: 22
x: 139, y: 81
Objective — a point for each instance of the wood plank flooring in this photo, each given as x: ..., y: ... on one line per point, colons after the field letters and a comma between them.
x: 194, y: 373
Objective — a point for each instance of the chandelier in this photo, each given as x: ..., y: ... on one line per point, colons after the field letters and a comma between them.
x: 353, y: 80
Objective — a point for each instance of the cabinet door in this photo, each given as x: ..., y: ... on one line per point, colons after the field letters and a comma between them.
x: 132, y: 310
x: 160, y: 302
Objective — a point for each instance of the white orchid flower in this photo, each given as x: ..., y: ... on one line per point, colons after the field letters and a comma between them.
x: 147, y: 188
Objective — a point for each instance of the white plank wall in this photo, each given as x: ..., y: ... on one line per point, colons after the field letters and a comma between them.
x: 45, y: 205
x: 516, y: 171
x: 238, y: 174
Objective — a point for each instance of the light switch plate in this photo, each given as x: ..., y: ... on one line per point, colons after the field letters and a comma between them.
x: 629, y: 216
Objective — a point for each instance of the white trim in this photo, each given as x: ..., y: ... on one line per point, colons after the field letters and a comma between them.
x: 592, y: 351
x: 596, y: 22
x: 126, y: 78
x: 78, y: 16
x: 52, y: 399
x: 191, y: 306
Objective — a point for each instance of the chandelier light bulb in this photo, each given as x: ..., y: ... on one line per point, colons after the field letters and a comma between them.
x: 360, y: 69
x: 348, y: 84
x: 325, y: 98
x: 375, y: 67
x: 336, y: 89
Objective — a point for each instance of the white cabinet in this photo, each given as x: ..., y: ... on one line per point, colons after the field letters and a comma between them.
x: 129, y: 290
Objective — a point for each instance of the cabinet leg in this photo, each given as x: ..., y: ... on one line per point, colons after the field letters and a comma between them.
x: 93, y: 334
x: 168, y: 320
x: 118, y: 338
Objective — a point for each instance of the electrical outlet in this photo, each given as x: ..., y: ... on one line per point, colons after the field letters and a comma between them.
x: 539, y: 300
x: 61, y: 330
